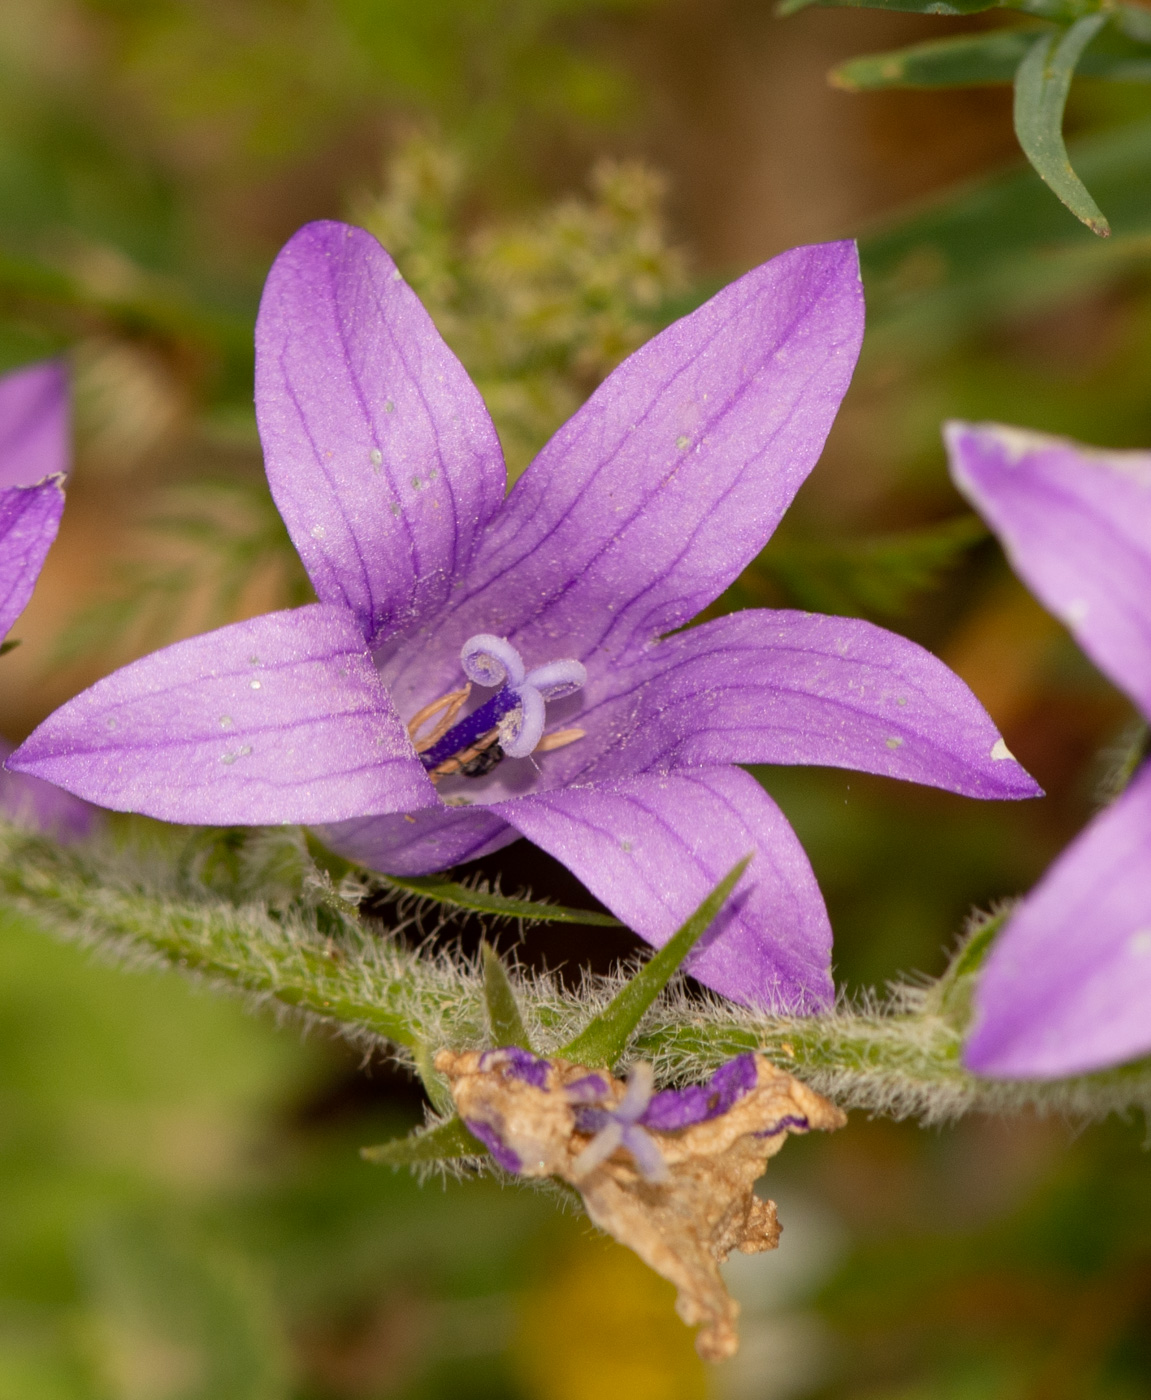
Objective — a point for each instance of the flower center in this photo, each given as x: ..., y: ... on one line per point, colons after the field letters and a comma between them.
x: 510, y: 724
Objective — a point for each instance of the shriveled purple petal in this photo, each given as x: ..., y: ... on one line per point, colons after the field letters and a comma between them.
x: 34, y: 427
x: 495, y: 1144
x: 520, y: 1064
x: 1067, y: 987
x: 652, y: 847
x: 29, y: 519
x: 42, y: 807
x: 672, y: 476
x: 1076, y: 524
x: 419, y: 843
x: 280, y: 719
x: 698, y: 1103
x: 792, y: 687
x: 380, y: 453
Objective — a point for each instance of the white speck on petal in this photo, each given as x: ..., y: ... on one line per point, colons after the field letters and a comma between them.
x: 1139, y: 944
x: 1000, y: 751
x: 225, y: 721
x: 1077, y: 610
x: 318, y: 532
x: 254, y: 684
x: 895, y: 742
x: 377, y: 456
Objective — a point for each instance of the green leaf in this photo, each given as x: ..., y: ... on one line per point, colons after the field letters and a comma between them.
x: 1041, y: 87
x: 438, y: 1144
x: 507, y: 1024
x: 974, y: 59
x: 604, y: 1039
x: 919, y: 7
x: 482, y: 901
x: 966, y: 61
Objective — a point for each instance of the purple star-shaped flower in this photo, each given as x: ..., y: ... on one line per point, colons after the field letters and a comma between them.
x: 34, y: 459
x: 355, y: 714
x: 1067, y: 986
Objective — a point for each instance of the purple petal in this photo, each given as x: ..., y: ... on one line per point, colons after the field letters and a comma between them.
x: 495, y: 1144
x: 34, y: 429
x: 521, y: 1064
x: 32, y: 803
x: 380, y: 453
x: 29, y: 519
x: 280, y: 719
x: 791, y: 687
x: 1076, y: 525
x: 419, y: 843
x: 651, y: 848
x: 654, y: 496
x: 698, y: 1103
x: 1067, y: 987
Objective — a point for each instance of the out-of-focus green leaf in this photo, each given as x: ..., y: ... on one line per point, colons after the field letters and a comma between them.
x: 504, y: 1017
x: 438, y: 1144
x: 604, y: 1039
x: 877, y: 577
x: 176, y: 1315
x: 994, y: 57
x: 1002, y: 244
x: 1041, y: 86
x: 483, y: 901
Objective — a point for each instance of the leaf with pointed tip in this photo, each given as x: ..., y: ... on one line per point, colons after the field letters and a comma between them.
x: 507, y: 1025
x: 435, y: 1085
x: 438, y: 1144
x: 483, y: 902
x: 994, y: 57
x: 967, y: 60
x: 603, y: 1040
x: 919, y: 7
x: 1041, y: 86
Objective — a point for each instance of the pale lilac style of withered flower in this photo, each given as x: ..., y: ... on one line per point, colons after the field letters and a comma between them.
x: 1067, y: 986
x: 35, y: 455
x: 641, y: 510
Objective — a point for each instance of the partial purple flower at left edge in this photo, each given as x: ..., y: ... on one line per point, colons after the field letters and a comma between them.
x: 1066, y: 987
x: 482, y: 667
x: 34, y: 460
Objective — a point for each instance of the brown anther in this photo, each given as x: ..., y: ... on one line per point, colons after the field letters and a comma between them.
x: 559, y: 739
x: 457, y: 761
x: 451, y: 704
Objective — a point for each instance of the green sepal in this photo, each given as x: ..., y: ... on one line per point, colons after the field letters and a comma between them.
x: 435, y: 1085
x: 439, y: 1144
x: 1041, y: 86
x: 604, y: 1039
x: 919, y: 7
x: 504, y: 1018
x: 484, y: 902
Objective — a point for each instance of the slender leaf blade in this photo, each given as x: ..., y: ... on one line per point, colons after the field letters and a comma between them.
x: 483, y: 902
x: 507, y: 1024
x: 969, y: 60
x: 604, y: 1039
x: 438, y: 1144
x: 1041, y: 86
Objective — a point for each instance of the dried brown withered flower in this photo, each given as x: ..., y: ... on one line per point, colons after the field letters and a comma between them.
x: 670, y: 1175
